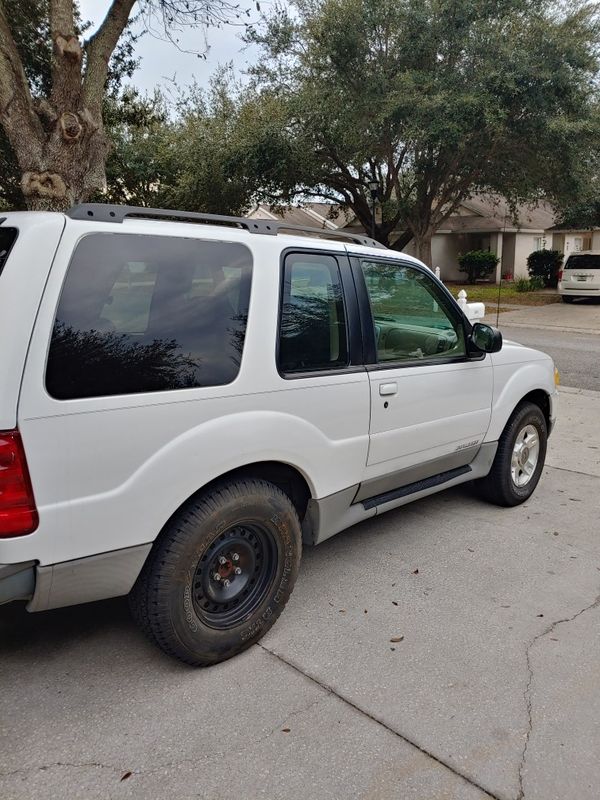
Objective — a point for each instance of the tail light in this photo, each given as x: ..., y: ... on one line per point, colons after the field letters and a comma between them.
x: 18, y: 514
x: 560, y: 274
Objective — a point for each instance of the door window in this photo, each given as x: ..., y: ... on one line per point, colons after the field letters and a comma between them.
x: 312, y: 333
x: 412, y: 317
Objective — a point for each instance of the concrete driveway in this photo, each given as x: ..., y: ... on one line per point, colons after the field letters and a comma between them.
x: 493, y: 691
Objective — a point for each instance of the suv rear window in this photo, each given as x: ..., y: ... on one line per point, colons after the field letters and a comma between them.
x: 7, y: 239
x: 148, y: 314
x: 583, y: 261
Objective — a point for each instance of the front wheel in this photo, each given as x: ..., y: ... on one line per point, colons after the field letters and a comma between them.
x: 519, y: 459
x: 221, y: 573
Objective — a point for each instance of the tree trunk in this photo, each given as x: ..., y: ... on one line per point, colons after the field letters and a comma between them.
x: 59, y: 140
x: 423, y: 247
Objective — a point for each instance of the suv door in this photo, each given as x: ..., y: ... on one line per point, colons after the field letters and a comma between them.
x: 430, y: 402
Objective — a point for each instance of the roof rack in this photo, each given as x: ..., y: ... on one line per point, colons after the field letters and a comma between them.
x: 104, y: 212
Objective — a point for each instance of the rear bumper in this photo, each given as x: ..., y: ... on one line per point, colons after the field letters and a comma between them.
x: 579, y: 290
x: 17, y: 581
x: 83, y: 580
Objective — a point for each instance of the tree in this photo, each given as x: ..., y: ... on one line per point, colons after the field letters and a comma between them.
x: 53, y: 87
x: 430, y: 101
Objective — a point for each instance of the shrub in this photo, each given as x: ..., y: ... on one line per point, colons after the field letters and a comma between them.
x: 545, y: 264
x: 522, y: 285
x: 477, y: 264
x: 535, y: 283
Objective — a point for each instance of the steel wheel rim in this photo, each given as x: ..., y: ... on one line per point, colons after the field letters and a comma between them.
x: 525, y: 456
x: 244, y: 557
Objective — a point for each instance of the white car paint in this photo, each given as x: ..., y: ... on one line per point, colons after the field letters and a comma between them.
x: 109, y: 472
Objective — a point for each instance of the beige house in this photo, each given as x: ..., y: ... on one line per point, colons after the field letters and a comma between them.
x: 572, y: 240
x: 480, y: 223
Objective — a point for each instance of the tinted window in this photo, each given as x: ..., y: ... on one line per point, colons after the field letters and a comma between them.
x: 7, y: 239
x: 584, y: 261
x: 413, y: 318
x: 148, y: 314
x: 313, y: 325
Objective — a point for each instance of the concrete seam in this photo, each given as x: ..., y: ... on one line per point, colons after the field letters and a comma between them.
x: 381, y: 723
x: 527, y: 694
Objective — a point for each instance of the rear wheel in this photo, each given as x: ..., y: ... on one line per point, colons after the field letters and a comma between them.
x: 567, y: 299
x: 221, y: 573
x: 519, y: 459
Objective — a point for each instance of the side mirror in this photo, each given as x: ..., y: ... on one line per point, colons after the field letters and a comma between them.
x: 486, y: 339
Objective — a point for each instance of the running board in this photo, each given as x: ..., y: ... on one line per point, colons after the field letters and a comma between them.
x: 418, y: 486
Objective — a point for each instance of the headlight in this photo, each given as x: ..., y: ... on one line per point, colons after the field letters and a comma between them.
x: 556, y: 377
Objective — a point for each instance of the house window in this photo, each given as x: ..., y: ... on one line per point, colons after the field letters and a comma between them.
x: 540, y: 242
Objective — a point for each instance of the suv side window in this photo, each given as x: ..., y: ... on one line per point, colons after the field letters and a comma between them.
x: 144, y: 313
x: 413, y: 318
x: 312, y: 326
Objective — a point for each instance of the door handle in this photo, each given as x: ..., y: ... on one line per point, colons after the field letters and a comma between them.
x: 388, y: 388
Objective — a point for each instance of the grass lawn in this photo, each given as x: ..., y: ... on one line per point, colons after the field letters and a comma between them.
x: 488, y: 293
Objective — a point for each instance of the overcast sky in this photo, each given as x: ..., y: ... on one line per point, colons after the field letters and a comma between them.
x: 162, y: 61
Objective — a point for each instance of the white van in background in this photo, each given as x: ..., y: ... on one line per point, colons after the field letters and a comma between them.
x: 580, y: 276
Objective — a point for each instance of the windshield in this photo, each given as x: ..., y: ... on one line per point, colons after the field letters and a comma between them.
x: 583, y: 261
x: 7, y: 239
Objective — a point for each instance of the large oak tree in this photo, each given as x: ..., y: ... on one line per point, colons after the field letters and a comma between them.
x: 432, y: 100
x: 55, y: 127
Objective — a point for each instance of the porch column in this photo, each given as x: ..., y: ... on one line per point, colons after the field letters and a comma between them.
x: 499, y: 246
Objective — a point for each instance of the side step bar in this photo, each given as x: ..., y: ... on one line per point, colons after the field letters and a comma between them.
x: 418, y: 486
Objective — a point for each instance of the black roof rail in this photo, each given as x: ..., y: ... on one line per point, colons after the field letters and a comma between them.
x: 104, y: 212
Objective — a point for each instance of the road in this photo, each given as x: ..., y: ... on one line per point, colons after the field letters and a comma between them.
x: 576, y: 355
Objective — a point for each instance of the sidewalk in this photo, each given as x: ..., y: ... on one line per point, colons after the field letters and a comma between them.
x: 448, y: 649
x: 573, y: 318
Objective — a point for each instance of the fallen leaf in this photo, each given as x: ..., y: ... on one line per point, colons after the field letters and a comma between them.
x: 395, y: 602
x: 285, y: 730
x: 553, y: 639
x: 470, y: 549
x: 342, y: 610
x: 539, y: 615
x: 396, y: 639
x: 126, y: 775
x: 392, y: 648
x: 415, y: 571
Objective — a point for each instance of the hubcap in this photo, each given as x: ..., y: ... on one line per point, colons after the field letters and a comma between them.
x: 234, y: 575
x: 525, y: 456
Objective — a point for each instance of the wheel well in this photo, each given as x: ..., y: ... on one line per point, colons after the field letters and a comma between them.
x: 539, y: 398
x: 285, y: 477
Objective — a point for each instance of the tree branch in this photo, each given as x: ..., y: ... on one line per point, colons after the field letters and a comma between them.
x: 99, y: 49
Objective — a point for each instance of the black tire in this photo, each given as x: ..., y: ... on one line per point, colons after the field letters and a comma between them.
x: 498, y: 486
x: 247, y: 525
x: 566, y: 299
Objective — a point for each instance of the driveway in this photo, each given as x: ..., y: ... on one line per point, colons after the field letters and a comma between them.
x: 492, y: 691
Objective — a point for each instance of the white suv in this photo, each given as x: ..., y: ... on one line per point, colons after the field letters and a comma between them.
x: 184, y: 404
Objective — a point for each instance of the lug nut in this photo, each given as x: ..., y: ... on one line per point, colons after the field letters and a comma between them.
x: 226, y: 582
x: 216, y: 576
x: 235, y: 557
x: 222, y: 560
x: 238, y: 571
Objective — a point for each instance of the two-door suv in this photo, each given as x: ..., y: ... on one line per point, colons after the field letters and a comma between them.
x: 185, y: 399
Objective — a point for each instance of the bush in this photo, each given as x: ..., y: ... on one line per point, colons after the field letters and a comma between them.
x: 544, y: 264
x: 477, y: 264
x: 522, y: 285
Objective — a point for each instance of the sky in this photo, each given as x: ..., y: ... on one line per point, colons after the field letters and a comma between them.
x: 162, y: 63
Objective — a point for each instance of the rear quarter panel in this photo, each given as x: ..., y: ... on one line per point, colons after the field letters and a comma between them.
x: 21, y: 286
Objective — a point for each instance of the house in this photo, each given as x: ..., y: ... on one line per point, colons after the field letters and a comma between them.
x: 481, y: 223
x: 572, y: 240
